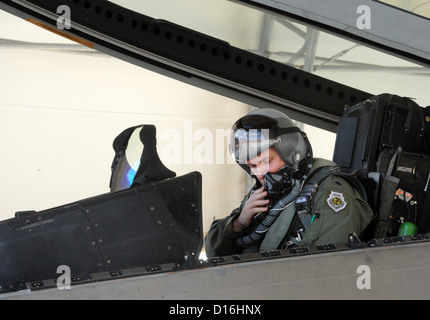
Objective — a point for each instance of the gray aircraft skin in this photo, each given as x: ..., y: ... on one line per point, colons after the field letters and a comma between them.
x: 392, y: 271
x: 395, y: 267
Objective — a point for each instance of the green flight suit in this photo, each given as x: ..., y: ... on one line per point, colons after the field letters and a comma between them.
x: 339, y: 210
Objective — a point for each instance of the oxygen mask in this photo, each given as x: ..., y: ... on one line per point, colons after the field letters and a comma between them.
x: 277, y: 184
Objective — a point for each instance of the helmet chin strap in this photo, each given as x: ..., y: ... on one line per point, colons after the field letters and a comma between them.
x: 310, y: 154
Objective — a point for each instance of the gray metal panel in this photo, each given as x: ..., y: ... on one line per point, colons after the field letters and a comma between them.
x: 396, y: 272
x: 400, y: 32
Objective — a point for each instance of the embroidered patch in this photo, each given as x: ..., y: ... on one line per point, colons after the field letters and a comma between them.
x: 336, y: 201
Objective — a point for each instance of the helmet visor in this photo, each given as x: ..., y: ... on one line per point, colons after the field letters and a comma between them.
x: 251, y: 135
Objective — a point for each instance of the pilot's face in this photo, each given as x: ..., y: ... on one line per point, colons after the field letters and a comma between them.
x: 267, y: 161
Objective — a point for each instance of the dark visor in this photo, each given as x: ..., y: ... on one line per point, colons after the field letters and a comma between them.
x: 253, y: 134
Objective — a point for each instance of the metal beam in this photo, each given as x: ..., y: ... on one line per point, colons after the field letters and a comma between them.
x: 389, y: 29
x: 311, y: 49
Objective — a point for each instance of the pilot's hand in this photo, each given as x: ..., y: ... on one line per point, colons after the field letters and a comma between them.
x: 253, y: 206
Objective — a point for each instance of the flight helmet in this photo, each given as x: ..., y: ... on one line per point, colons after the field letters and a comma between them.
x: 265, y: 128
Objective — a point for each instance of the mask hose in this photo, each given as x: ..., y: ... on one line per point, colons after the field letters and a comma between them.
x: 270, y: 218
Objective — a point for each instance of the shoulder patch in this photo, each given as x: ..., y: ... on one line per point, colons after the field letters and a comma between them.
x: 336, y: 201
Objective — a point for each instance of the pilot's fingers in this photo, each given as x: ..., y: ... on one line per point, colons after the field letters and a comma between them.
x: 255, y: 210
x: 260, y: 203
x: 259, y: 194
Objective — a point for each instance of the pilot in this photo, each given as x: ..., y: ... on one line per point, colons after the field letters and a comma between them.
x: 296, y: 200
